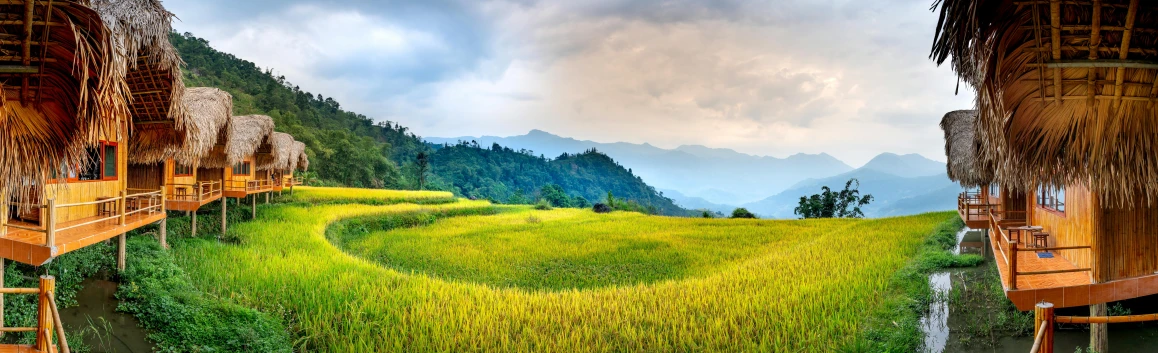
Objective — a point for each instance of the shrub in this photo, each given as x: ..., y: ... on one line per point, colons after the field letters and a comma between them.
x: 543, y: 205
x: 742, y: 213
x: 601, y: 208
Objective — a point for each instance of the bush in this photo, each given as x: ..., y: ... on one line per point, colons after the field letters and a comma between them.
x: 742, y: 213
x: 601, y: 208
x: 543, y: 205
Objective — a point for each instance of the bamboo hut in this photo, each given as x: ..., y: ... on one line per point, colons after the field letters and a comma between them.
x: 966, y: 167
x: 189, y: 185
x: 248, y: 137
x: 297, y: 160
x: 1066, y: 94
x: 274, y: 164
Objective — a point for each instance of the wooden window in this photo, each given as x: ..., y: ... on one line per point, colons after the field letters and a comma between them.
x: 182, y: 170
x: 91, y: 166
x: 1051, y: 197
x: 109, y: 167
x: 242, y: 168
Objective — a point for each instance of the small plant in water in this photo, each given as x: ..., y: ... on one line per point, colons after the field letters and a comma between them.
x: 1117, y: 310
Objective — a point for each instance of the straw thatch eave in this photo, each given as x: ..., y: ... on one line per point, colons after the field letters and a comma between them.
x: 297, y: 153
x: 247, y: 134
x: 210, y: 112
x: 303, y: 160
x: 1065, y: 91
x: 152, y: 69
x: 74, y: 101
x: 965, y: 166
x: 281, y: 146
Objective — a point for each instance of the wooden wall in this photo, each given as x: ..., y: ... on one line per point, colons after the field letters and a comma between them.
x: 85, y: 191
x: 1129, y: 241
x: 253, y: 169
x: 210, y: 174
x: 1074, y: 227
x: 146, y: 176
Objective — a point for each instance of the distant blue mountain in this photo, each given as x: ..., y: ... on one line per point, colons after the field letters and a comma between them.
x: 717, y: 175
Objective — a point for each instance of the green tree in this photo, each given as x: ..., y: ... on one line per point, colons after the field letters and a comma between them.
x: 741, y: 213
x: 706, y: 214
x: 555, y: 196
x: 580, y: 202
x: 422, y: 165
x: 846, y: 203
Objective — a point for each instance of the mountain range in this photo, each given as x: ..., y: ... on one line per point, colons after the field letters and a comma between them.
x: 719, y: 180
x: 717, y: 175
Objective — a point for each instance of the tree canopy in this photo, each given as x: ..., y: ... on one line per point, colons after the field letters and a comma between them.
x: 846, y: 203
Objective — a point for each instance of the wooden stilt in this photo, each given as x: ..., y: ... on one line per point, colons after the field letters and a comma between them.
x: 1099, y: 333
x: 2, y: 295
x: 164, y: 233
x: 193, y: 224
x: 1043, y: 313
x: 224, y: 205
x: 44, y: 314
x: 121, y: 252
x: 267, y: 198
x: 254, y: 203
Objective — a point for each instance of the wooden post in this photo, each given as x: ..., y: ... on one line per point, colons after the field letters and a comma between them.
x: 1012, y: 264
x: 254, y: 203
x: 1099, y: 333
x: 1043, y: 313
x: 224, y: 205
x: 2, y: 295
x: 267, y: 198
x: 50, y: 223
x: 121, y: 252
x: 44, y: 315
x: 164, y: 233
x: 193, y: 223
x: 121, y: 208
x: 3, y: 226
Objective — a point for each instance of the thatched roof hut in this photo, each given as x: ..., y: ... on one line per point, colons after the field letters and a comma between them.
x: 210, y: 112
x: 304, y: 160
x: 58, y: 98
x: 245, y: 135
x: 1065, y: 90
x: 965, y: 164
x: 297, y: 154
x: 281, y: 146
x: 152, y: 69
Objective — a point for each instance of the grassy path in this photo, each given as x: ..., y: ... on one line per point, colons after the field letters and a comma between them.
x: 806, y: 288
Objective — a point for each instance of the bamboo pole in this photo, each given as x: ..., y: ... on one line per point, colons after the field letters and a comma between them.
x: 164, y: 233
x: 224, y: 206
x: 44, y: 314
x: 122, y: 206
x: 50, y: 223
x: 193, y: 224
x: 2, y: 296
x: 1099, y: 333
x: 59, y: 327
x: 1013, y: 264
x: 1043, y: 317
x: 253, y: 198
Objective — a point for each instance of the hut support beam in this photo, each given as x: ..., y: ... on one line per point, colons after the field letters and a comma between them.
x: 163, y: 238
x: 121, y: 252
x: 1095, y: 43
x: 193, y: 224
x: 1099, y: 333
x: 1055, y: 45
x: 267, y: 198
x: 1131, y: 14
x: 224, y: 205
x: 253, y: 199
x: 44, y: 317
x: 2, y: 296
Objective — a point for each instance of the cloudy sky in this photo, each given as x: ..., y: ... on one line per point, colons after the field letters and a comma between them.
x: 850, y: 78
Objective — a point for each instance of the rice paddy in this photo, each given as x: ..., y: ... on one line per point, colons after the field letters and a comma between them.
x: 470, y: 276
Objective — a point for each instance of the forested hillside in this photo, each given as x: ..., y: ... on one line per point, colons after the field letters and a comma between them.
x: 509, y: 176
x: 351, y: 149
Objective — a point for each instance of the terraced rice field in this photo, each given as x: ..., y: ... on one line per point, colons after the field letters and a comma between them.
x: 470, y: 276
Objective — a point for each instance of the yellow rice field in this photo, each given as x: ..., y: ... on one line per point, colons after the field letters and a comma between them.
x: 743, y: 285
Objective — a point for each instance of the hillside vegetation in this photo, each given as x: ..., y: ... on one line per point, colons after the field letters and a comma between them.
x: 721, y: 285
x: 351, y: 149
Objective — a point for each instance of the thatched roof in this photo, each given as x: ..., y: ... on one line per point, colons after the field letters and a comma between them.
x: 245, y: 134
x: 962, y: 149
x: 303, y: 160
x: 58, y: 98
x: 210, y: 112
x: 152, y: 70
x: 281, y: 147
x: 297, y: 153
x: 1065, y: 90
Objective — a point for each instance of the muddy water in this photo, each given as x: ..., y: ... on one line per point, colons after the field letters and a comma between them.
x: 947, y: 327
x: 105, y: 329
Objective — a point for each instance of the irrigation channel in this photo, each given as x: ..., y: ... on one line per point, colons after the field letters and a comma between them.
x: 105, y: 330
x: 970, y: 315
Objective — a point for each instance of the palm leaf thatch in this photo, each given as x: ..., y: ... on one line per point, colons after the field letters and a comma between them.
x: 61, y: 93
x: 140, y: 34
x: 210, y: 112
x: 281, y: 146
x: 245, y: 135
x: 962, y: 149
x: 297, y: 153
x: 303, y: 159
x: 1066, y: 90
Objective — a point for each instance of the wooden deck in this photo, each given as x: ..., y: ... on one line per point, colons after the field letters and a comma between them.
x: 1064, y: 290
x: 29, y: 247
x: 21, y: 348
x: 190, y: 205
x: 973, y: 210
x: 238, y: 193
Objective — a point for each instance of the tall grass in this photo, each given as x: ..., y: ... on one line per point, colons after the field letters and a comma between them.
x: 322, y: 195
x: 763, y: 286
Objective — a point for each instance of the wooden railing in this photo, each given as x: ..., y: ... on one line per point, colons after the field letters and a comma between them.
x: 999, y: 222
x: 972, y: 206
x: 248, y: 185
x: 110, y: 208
x: 47, y: 316
x: 1045, y: 318
x: 202, y: 190
x: 298, y: 181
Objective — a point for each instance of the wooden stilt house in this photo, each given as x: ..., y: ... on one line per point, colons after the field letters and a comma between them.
x: 64, y: 116
x: 278, y: 161
x: 302, y: 165
x: 1066, y: 119
x: 293, y: 162
x: 248, y: 138
x: 188, y: 184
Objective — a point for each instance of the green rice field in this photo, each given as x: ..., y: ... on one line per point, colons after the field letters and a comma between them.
x: 392, y: 275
